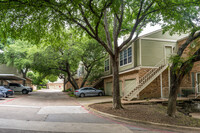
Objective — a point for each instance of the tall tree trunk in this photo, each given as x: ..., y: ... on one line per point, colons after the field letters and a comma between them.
x: 176, y: 78
x: 24, y: 72
x: 116, y: 90
x: 64, y: 83
x: 173, y: 94
x: 70, y: 77
x: 86, y: 77
x: 24, y: 76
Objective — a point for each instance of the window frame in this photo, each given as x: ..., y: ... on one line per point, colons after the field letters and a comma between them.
x: 122, y: 59
x: 107, y: 65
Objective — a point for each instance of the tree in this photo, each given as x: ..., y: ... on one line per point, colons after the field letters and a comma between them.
x: 62, y: 57
x: 37, y: 78
x: 104, y: 20
x: 182, y: 20
x: 93, y: 60
x: 17, y: 55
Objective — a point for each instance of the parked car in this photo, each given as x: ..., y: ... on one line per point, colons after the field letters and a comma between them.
x: 88, y: 91
x: 1, y: 94
x: 19, y: 88
x: 7, y: 92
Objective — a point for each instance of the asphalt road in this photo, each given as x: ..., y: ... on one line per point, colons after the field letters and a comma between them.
x: 50, y: 111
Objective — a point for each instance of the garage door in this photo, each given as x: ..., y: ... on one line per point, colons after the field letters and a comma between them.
x: 108, y: 88
x: 129, y: 85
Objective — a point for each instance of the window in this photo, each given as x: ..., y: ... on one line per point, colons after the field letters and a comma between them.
x: 126, y: 56
x: 106, y: 65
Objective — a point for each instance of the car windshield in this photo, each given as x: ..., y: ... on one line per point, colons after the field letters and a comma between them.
x: 21, y: 85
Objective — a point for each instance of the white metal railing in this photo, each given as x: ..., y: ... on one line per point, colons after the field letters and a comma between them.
x: 159, y: 64
x: 148, y: 75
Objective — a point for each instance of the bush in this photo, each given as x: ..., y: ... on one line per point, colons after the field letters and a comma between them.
x: 71, y: 95
x: 67, y: 90
x: 187, y: 92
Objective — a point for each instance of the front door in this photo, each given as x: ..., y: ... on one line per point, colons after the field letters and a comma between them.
x: 168, y: 52
x: 198, y: 82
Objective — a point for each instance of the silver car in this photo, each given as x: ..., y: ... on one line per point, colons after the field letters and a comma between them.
x: 2, y: 94
x: 88, y: 91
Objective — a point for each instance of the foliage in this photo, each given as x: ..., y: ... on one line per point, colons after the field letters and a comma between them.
x: 105, y: 21
x: 93, y: 59
x: 52, y: 78
x: 37, y: 78
x: 63, y: 54
x: 182, y: 19
x: 18, y: 55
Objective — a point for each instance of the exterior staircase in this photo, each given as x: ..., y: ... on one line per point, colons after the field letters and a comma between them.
x: 145, y: 81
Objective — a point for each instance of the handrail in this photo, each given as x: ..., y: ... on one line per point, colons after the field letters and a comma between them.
x: 147, y: 75
x: 151, y: 71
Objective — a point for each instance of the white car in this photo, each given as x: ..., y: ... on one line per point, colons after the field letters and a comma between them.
x: 19, y: 88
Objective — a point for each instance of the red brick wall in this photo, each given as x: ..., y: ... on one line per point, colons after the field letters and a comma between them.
x: 79, y: 82
x: 187, y: 80
x: 153, y: 90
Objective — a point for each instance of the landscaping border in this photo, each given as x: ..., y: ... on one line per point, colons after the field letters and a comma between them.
x: 134, y: 120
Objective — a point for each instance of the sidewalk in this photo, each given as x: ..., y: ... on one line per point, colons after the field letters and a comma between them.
x: 93, y: 100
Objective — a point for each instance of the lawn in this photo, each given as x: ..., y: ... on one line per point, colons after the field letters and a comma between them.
x: 148, y: 112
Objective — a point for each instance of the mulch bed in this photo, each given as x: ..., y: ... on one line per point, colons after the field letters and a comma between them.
x: 152, y: 113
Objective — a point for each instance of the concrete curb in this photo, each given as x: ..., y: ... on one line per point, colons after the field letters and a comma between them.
x: 134, y: 120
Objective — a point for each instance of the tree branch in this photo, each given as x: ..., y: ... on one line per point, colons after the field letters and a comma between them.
x: 191, y: 37
x: 106, y: 28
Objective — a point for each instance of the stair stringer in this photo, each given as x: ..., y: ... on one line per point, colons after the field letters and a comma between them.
x: 134, y: 93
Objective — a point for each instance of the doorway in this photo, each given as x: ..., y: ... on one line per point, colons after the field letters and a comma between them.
x: 168, y: 52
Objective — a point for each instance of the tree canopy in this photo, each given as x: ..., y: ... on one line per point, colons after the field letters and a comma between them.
x: 63, y: 56
x: 18, y: 56
x: 104, y: 20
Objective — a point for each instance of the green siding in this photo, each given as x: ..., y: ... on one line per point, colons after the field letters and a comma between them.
x: 4, y: 69
x: 166, y: 35
x: 138, y: 52
x: 135, y: 54
x: 153, y: 51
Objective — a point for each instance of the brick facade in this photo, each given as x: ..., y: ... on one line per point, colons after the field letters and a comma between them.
x: 87, y: 84
x: 56, y: 86
x: 153, y: 90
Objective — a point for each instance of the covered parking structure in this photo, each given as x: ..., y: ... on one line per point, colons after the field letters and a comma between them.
x: 9, y: 77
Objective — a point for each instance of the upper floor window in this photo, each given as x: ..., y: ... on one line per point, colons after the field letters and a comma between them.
x: 106, y: 65
x: 126, y: 56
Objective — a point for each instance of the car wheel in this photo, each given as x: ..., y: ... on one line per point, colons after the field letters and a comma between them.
x: 7, y: 96
x: 82, y: 95
x: 24, y: 91
x: 100, y: 94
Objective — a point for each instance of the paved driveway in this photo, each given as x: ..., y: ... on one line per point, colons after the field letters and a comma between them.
x: 52, y: 111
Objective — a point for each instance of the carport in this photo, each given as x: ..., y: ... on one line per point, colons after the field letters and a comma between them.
x: 9, y: 77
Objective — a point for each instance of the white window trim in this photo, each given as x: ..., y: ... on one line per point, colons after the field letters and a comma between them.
x: 196, y: 86
x: 165, y: 51
x: 108, y: 65
x: 127, y: 56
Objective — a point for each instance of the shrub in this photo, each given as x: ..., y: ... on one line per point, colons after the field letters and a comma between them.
x: 187, y: 92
